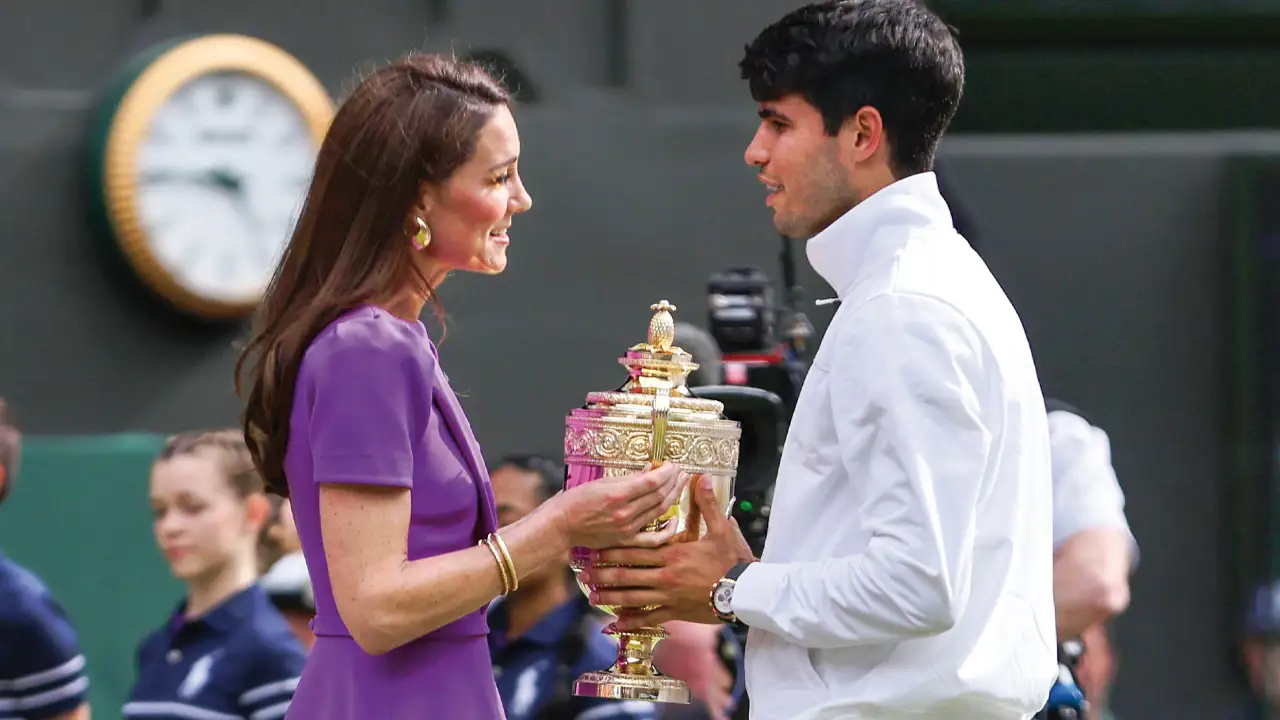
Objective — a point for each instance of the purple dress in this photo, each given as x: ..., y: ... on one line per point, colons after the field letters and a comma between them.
x: 372, y: 407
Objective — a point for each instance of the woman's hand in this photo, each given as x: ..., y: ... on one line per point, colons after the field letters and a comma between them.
x: 613, y: 512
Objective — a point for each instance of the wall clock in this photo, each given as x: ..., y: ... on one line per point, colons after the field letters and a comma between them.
x: 201, y: 158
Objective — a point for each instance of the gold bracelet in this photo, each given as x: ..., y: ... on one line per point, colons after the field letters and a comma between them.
x: 502, y: 568
x: 509, y: 563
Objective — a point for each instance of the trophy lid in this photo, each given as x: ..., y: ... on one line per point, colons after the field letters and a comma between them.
x: 657, y: 362
x: 653, y: 417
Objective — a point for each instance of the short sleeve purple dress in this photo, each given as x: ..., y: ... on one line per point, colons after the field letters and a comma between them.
x: 372, y: 407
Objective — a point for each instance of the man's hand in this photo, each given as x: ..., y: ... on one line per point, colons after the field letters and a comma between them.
x: 679, y: 576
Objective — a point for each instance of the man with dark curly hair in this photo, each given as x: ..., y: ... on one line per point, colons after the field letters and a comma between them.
x: 908, y: 570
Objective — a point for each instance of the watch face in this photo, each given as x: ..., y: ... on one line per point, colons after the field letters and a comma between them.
x: 723, y: 599
x: 221, y: 173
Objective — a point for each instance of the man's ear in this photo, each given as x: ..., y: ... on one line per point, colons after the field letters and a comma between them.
x: 862, y: 135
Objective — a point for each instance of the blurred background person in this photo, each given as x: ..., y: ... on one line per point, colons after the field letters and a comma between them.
x: 1260, y: 653
x: 1094, y: 550
x: 1094, y: 554
x: 545, y: 634
x: 288, y: 586
x: 225, y: 651
x: 42, y: 671
x: 284, y: 571
x: 279, y: 536
x: 1097, y: 671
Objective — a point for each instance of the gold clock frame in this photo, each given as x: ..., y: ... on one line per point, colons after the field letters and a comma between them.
x: 132, y: 117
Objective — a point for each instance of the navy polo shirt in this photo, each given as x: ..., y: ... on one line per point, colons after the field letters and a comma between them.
x: 41, y: 666
x: 239, y: 661
x: 526, y: 668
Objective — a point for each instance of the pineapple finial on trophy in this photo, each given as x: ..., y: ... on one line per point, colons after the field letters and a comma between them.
x: 662, y: 328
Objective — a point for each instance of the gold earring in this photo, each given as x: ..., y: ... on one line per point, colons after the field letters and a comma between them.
x: 423, y: 238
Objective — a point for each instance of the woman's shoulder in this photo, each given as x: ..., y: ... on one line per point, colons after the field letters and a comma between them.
x: 368, y: 339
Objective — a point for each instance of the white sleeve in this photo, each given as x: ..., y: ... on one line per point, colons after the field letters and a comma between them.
x: 908, y: 383
x: 1086, y: 492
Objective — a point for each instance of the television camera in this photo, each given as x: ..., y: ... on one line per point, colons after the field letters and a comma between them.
x: 762, y: 348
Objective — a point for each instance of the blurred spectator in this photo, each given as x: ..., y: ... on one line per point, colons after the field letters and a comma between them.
x: 41, y: 666
x: 279, y: 536
x: 285, y: 576
x: 1094, y: 553
x: 1094, y: 550
x: 226, y: 651
x: 288, y: 585
x: 1261, y: 654
x: 1096, y: 672
x: 545, y: 634
x: 696, y: 654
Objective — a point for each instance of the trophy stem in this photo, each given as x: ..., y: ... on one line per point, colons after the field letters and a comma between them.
x: 635, y: 650
x: 633, y: 676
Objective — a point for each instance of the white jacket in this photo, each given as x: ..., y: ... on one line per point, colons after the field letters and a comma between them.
x: 908, y: 571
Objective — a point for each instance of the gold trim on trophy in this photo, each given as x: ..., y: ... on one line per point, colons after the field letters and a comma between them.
x: 653, y: 418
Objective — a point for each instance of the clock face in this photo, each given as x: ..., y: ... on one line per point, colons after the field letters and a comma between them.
x: 221, y: 172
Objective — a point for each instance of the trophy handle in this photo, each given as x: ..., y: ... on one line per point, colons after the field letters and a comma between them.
x: 661, y: 409
x: 658, y: 449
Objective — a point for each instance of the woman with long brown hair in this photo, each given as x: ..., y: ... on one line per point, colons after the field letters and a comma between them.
x: 350, y: 415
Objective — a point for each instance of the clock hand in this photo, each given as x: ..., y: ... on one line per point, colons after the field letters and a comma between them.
x: 230, y: 182
x: 160, y: 177
x: 225, y: 179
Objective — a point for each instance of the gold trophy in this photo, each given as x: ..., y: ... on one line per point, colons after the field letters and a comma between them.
x: 652, y: 418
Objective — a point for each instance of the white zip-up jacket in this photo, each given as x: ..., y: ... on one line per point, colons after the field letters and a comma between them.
x: 908, y: 571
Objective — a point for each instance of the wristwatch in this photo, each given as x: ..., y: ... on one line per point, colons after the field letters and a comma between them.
x: 722, y: 594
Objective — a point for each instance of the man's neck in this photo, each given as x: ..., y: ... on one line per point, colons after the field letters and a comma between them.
x: 529, y: 605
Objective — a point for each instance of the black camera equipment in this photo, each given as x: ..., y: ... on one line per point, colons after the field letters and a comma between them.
x: 756, y: 335
x: 740, y: 299
x: 762, y: 416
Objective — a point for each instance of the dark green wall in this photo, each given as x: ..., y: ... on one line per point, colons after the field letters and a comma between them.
x: 1076, y: 88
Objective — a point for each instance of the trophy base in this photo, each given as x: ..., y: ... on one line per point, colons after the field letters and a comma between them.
x: 613, y: 686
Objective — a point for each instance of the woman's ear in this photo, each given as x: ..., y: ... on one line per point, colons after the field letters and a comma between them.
x: 427, y: 199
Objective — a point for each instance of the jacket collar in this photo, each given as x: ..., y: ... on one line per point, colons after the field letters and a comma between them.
x: 849, y: 249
